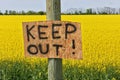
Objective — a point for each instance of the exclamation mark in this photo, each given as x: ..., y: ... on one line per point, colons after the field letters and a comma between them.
x: 73, y: 45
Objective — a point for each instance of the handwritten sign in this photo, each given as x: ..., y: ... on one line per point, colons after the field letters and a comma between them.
x: 52, y: 39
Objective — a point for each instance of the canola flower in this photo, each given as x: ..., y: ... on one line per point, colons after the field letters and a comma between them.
x: 100, y: 47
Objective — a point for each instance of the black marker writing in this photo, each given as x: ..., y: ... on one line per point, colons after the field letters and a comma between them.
x: 55, y: 31
x: 28, y: 32
x: 69, y: 32
x: 41, y: 49
x: 57, y: 48
x: 40, y: 33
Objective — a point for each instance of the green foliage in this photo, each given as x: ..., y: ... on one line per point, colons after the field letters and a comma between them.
x: 24, y: 70
x: 92, y: 72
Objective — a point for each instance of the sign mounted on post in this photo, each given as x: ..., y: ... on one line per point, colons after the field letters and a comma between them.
x: 52, y: 39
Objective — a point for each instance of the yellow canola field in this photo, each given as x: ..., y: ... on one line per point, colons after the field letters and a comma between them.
x: 100, y: 38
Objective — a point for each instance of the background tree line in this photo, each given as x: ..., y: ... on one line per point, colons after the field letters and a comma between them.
x: 93, y: 11
x: 13, y: 12
x: 71, y: 11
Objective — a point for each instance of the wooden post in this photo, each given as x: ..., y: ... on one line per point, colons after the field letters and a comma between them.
x: 53, y: 8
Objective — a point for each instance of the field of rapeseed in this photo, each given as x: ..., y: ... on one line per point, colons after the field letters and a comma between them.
x: 100, y: 43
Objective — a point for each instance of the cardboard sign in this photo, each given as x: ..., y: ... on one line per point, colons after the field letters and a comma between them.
x: 52, y: 39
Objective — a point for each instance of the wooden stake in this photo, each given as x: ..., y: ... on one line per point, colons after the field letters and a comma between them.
x: 53, y: 8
